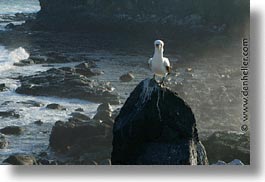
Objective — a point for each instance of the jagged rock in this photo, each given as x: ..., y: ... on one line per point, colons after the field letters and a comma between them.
x: 21, y: 160
x: 25, y: 62
x: 227, y: 146
x: 104, y: 113
x: 68, y: 135
x: 86, y: 65
x: 9, y: 113
x: 3, y: 142
x: 10, y: 26
x: 12, y: 130
x: 55, y: 106
x: 32, y: 103
x: 67, y: 84
x: 79, y: 109
x: 86, y: 69
x: 38, y: 122
x: 2, y: 87
x: 219, y: 162
x: 127, y: 77
x: 156, y: 127
x: 21, y: 16
x: 234, y: 162
x: 39, y: 59
x: 77, y: 116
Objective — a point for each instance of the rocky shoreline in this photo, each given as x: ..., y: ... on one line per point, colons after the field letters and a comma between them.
x: 89, y: 139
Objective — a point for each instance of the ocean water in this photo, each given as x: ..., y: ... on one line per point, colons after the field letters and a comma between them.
x: 8, y: 9
x: 35, y: 138
x: 19, y: 6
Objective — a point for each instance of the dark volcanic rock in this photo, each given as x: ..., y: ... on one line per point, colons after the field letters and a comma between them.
x: 77, y: 116
x: 55, y: 106
x: 2, y: 87
x: 68, y: 135
x: 3, y: 142
x: 227, y: 146
x: 68, y: 84
x: 86, y: 69
x: 31, y: 103
x: 127, y: 77
x: 9, y: 113
x: 79, y: 109
x: 21, y: 160
x: 10, y: 26
x: 133, y: 16
x: 25, y: 62
x: 104, y: 113
x: 156, y: 127
x: 12, y: 130
x: 38, y: 122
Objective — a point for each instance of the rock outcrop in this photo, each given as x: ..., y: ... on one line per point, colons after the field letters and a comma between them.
x: 227, y: 146
x: 12, y: 130
x: 2, y: 87
x: 9, y: 113
x: 133, y: 15
x: 66, y: 136
x: 156, y: 127
x: 21, y: 160
x: 67, y: 83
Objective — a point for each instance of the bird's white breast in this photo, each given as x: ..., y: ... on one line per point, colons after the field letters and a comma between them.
x: 158, y: 66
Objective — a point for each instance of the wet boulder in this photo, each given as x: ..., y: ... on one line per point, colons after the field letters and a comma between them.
x: 236, y: 162
x: 156, y: 127
x: 67, y: 136
x: 25, y: 62
x: 10, y: 26
x: 9, y: 113
x: 38, y: 122
x: 79, y: 109
x: 87, y: 69
x: 55, y: 106
x: 227, y: 146
x: 3, y: 142
x: 79, y: 117
x: 2, y: 87
x: 21, y: 159
x: 31, y: 103
x: 12, y: 130
x: 104, y: 113
x: 127, y: 77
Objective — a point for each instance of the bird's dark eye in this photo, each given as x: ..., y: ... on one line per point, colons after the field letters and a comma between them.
x: 157, y: 45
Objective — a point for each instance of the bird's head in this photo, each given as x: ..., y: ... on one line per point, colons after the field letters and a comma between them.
x: 159, y: 45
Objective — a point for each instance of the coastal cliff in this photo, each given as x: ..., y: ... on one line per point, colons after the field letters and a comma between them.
x: 134, y: 15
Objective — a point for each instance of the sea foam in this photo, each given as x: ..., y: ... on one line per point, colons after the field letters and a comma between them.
x: 17, y: 55
x: 7, y: 59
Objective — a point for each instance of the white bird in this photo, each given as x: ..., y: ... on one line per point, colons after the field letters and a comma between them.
x: 159, y: 64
